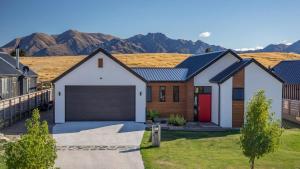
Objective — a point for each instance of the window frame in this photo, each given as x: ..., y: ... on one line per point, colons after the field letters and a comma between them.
x: 149, y: 94
x: 160, y: 94
x: 234, y: 98
x: 176, y: 93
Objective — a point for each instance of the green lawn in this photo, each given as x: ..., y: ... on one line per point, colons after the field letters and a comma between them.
x: 215, y: 150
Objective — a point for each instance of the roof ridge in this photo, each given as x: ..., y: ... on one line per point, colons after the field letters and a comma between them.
x: 11, y: 65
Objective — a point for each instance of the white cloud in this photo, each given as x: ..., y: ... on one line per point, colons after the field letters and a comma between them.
x: 286, y: 42
x: 204, y: 34
x: 246, y: 49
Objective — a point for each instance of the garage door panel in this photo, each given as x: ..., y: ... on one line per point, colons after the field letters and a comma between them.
x: 94, y: 103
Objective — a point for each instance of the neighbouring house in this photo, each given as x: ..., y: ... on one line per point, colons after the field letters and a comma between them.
x: 289, y: 71
x: 15, y: 78
x: 212, y: 87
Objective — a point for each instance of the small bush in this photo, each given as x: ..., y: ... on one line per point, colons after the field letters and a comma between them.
x: 152, y: 114
x: 176, y: 120
x: 35, y: 149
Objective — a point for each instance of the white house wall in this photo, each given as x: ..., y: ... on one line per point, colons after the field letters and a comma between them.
x: 202, y: 79
x: 226, y: 104
x: 258, y: 79
x: 111, y: 74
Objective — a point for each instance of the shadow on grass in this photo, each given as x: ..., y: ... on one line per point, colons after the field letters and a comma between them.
x: 189, y: 135
x: 290, y: 125
x: 174, y: 135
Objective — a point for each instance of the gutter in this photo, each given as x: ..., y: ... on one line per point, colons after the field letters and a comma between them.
x: 219, y: 105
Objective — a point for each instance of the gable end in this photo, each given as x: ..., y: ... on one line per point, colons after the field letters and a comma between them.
x: 89, y: 57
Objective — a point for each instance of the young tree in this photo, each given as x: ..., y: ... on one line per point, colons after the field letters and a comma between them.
x: 35, y: 149
x: 22, y: 53
x: 261, y: 132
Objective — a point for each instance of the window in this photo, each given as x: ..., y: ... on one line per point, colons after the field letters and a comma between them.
x: 238, y: 94
x: 162, y: 93
x: 100, y: 62
x: 175, y: 93
x: 203, y: 90
x: 149, y: 94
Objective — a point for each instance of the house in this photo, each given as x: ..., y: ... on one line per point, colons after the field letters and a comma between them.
x: 289, y: 71
x: 212, y: 87
x: 15, y: 78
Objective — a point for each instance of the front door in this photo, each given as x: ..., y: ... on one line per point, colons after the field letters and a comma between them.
x: 204, y: 104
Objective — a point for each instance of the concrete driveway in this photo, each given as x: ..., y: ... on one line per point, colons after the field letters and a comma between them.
x: 107, y: 145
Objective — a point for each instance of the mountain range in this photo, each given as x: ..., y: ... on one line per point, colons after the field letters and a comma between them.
x: 73, y: 42
x: 292, y: 48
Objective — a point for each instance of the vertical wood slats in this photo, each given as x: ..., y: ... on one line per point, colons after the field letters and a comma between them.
x: 238, y: 81
x: 17, y: 108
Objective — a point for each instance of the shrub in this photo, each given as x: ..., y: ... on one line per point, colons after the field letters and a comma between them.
x: 35, y: 149
x: 152, y: 114
x: 176, y: 120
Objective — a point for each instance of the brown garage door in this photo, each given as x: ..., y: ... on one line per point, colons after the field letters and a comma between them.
x: 99, y: 103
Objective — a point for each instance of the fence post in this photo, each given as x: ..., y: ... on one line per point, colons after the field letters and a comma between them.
x: 19, y: 107
x: 10, y: 113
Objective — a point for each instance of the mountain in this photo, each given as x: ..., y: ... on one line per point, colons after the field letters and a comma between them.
x: 292, y: 48
x: 274, y: 48
x: 295, y: 47
x: 73, y: 42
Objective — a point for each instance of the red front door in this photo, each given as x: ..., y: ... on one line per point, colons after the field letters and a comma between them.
x: 204, y: 107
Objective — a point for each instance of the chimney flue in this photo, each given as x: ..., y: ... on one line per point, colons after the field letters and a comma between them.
x: 18, y: 57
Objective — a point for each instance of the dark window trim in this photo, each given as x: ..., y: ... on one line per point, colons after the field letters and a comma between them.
x: 150, y: 97
x: 238, y: 88
x: 159, y: 98
x: 176, y: 99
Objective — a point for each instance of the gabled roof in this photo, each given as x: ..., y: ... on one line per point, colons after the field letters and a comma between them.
x: 90, y: 56
x: 8, y: 66
x: 230, y: 71
x: 197, y: 63
x: 289, y: 71
x: 162, y: 74
x: 237, y: 66
x: 7, y: 70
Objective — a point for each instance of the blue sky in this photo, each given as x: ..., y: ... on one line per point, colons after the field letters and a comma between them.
x: 229, y: 23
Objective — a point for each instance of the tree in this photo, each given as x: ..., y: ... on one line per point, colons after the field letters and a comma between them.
x: 35, y: 149
x: 22, y: 53
x: 261, y: 132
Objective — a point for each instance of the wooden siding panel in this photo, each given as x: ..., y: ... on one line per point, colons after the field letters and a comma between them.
x: 238, y: 81
x: 168, y: 107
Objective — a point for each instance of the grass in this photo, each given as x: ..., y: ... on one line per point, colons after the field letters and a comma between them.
x: 2, y: 162
x: 50, y: 67
x: 192, y: 150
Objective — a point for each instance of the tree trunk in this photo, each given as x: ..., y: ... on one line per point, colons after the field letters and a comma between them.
x: 252, y: 163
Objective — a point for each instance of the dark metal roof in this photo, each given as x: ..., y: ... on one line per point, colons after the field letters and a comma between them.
x: 10, y: 61
x: 197, y: 63
x: 7, y: 70
x: 162, y: 74
x: 230, y: 71
x: 289, y: 71
x: 235, y: 67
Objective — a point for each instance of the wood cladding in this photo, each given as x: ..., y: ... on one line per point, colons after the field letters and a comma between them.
x: 100, y: 62
x: 238, y: 81
x: 291, y: 91
x: 182, y: 107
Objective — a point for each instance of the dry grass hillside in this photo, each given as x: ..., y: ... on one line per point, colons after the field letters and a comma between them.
x: 50, y: 67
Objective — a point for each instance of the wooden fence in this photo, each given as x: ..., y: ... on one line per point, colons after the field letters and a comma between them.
x: 20, y: 107
x: 291, y: 110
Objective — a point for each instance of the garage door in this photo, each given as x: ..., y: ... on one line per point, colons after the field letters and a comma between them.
x: 99, y: 103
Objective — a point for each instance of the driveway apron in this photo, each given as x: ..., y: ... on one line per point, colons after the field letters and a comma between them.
x: 99, y: 145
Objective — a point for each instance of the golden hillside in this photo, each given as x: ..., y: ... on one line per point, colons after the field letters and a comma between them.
x: 52, y: 66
